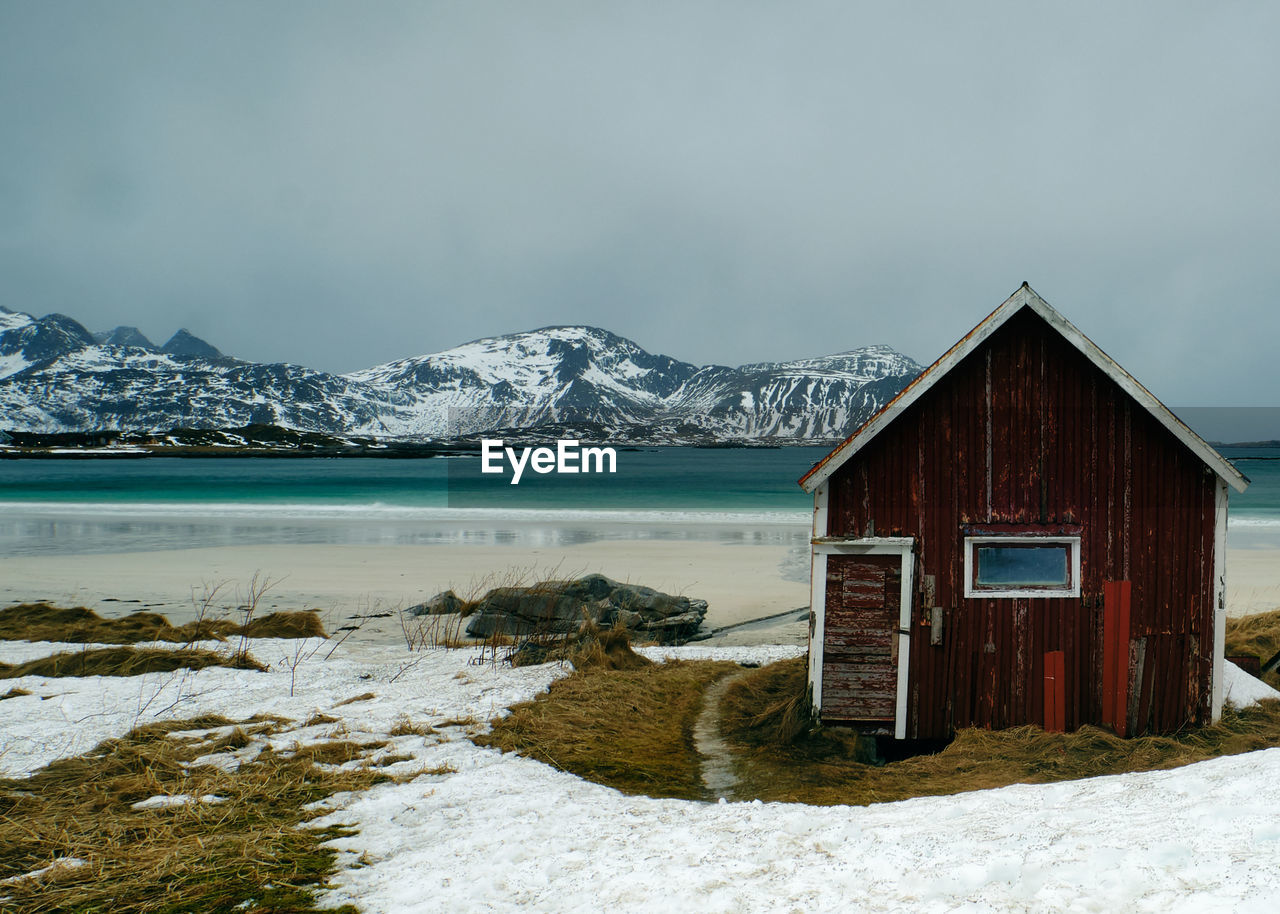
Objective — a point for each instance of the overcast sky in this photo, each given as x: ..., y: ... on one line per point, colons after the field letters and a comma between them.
x: 343, y: 184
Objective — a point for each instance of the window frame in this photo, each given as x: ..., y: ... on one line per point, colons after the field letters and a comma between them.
x: 972, y: 591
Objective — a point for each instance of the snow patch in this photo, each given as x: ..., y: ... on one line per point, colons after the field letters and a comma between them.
x: 488, y: 831
x: 177, y: 799
x: 1243, y: 690
x: 53, y: 870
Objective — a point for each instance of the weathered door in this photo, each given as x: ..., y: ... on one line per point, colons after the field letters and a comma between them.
x: 859, y: 655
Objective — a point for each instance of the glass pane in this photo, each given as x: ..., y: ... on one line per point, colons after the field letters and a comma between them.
x: 1023, y: 566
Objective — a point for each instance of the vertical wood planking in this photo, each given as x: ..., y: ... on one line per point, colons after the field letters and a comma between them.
x: 1065, y: 448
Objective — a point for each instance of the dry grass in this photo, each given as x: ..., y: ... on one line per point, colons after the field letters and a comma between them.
x: 317, y: 719
x: 591, y: 647
x: 78, y: 625
x: 632, y: 730
x: 823, y: 766
x: 767, y: 706
x: 433, y: 631
x: 15, y: 692
x: 1256, y: 636
x: 363, y: 696
x: 336, y: 752
x: 628, y: 729
x: 609, y: 649
x: 283, y: 625
x: 249, y: 852
x: 404, y: 726
x: 126, y: 661
x: 467, y: 721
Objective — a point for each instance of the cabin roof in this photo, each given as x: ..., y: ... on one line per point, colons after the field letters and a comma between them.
x: 1025, y: 297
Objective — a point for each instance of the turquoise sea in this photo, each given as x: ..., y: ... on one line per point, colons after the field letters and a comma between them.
x: 53, y: 506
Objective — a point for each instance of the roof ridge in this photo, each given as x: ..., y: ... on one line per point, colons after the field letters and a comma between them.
x: 1023, y: 297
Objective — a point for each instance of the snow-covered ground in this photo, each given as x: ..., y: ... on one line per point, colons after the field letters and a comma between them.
x: 503, y: 832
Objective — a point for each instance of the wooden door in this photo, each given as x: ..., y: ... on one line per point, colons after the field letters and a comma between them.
x: 859, y: 653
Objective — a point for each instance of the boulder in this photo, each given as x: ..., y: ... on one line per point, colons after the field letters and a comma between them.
x: 557, y: 608
x: 440, y: 604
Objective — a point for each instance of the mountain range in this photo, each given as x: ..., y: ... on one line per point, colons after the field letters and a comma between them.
x: 55, y: 376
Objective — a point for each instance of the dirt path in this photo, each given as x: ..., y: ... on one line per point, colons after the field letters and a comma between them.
x: 718, y: 776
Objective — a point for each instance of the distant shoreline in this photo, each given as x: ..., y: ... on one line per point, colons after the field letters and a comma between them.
x: 277, y: 441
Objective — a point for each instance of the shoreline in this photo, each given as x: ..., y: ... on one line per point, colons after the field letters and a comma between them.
x: 742, y: 581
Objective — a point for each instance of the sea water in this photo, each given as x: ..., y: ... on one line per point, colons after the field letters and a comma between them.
x: 52, y: 506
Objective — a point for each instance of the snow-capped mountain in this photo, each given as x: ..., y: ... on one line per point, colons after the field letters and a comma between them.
x: 124, y: 336
x: 822, y: 397
x: 56, y: 376
x: 556, y: 374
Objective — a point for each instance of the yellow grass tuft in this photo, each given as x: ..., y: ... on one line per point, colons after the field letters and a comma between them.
x: 317, y: 719
x: 403, y: 726
x: 126, y: 661
x: 78, y: 625
x: 284, y: 625
x: 364, y: 696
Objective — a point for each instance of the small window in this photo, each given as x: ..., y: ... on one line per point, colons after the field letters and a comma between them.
x: 1022, y: 566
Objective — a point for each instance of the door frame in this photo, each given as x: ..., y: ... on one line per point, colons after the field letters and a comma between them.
x: 823, y: 546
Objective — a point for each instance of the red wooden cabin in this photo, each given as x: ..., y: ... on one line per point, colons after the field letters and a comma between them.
x: 1025, y: 535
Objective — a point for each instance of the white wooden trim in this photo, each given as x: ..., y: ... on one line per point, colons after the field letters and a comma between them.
x: 822, y: 547
x: 904, y: 643
x: 1025, y: 297
x: 863, y: 545
x: 1219, y: 597
x: 817, y: 596
x: 820, y: 510
x: 817, y: 631
x: 1041, y: 592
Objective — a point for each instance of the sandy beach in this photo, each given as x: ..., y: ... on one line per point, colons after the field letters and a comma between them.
x: 740, y: 581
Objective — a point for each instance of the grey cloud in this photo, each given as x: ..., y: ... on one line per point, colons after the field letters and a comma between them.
x: 338, y: 185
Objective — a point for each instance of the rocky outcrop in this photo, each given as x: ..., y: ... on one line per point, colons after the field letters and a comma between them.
x: 564, y: 607
x: 185, y: 343
x: 439, y: 605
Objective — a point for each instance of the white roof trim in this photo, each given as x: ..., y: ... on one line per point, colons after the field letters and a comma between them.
x: 1025, y: 297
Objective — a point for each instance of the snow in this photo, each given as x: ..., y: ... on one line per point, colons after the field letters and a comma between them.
x: 498, y: 832
x: 56, y: 868
x: 1241, y: 689
x: 611, y: 380
x: 177, y: 799
x: 12, y: 364
x: 14, y: 320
